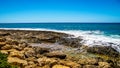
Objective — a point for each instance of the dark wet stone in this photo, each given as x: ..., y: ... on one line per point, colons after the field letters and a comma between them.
x: 104, y: 50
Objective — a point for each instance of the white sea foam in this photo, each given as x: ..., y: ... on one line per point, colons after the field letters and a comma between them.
x: 90, y: 38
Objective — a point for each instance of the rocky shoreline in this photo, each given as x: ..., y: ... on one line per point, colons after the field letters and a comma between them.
x: 47, y: 49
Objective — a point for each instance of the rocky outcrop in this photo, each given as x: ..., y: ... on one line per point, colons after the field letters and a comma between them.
x: 72, y: 55
x: 56, y: 54
x: 104, y: 50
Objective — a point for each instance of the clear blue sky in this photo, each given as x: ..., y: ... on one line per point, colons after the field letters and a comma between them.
x: 59, y: 11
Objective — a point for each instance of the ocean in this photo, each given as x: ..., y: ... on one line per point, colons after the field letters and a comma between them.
x: 104, y: 34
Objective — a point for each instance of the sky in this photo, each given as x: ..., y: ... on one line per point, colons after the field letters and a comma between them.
x: 18, y: 11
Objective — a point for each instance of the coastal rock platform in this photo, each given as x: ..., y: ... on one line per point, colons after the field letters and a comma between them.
x: 47, y: 49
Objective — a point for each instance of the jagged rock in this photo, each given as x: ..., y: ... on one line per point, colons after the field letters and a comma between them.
x: 32, y: 66
x: 86, y: 61
x: 2, y: 44
x: 29, y: 53
x: 90, y: 66
x: 2, y: 39
x: 17, y: 61
x: 4, y: 51
x: 70, y: 64
x: 12, y: 42
x: 4, y: 34
x: 56, y: 54
x: 17, y: 54
x: 73, y: 42
x: 6, y: 47
x: 17, y: 47
x: 104, y: 50
x: 104, y: 65
x: 60, y: 66
x: 45, y: 61
x: 40, y: 50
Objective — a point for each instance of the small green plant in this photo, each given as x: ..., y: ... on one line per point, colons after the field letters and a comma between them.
x: 4, y: 63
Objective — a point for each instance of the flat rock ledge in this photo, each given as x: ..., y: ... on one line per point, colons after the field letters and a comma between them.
x: 68, y: 54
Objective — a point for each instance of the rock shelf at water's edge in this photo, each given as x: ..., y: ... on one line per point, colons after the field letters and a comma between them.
x: 47, y: 49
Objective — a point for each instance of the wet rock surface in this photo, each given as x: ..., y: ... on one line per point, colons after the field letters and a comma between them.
x: 105, y: 50
x: 46, y: 49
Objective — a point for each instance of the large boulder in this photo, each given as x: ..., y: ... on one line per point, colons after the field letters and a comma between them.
x: 56, y: 54
x: 104, y: 50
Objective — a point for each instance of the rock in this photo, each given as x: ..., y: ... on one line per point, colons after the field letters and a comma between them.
x: 89, y: 66
x: 60, y: 66
x: 12, y: 42
x: 6, y: 47
x: 40, y: 50
x: 70, y: 64
x: 87, y: 61
x: 17, y: 47
x: 17, y: 61
x: 104, y: 65
x: 32, y: 66
x: 4, y: 51
x: 17, y: 54
x: 2, y: 39
x: 2, y: 44
x: 56, y: 54
x: 46, y: 61
x: 4, y: 34
x: 73, y: 42
x: 104, y: 50
x: 29, y: 53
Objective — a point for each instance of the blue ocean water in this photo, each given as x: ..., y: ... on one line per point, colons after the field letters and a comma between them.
x: 106, y: 28
x: 106, y: 34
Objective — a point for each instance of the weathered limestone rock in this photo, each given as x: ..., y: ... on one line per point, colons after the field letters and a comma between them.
x: 89, y: 66
x: 17, y: 48
x: 4, y: 51
x: 70, y: 64
x: 6, y: 47
x: 60, y: 66
x: 12, y: 42
x: 104, y: 65
x: 4, y: 34
x: 104, y: 50
x: 2, y: 39
x: 2, y: 44
x: 40, y: 50
x: 17, y: 61
x: 17, y: 54
x: 45, y: 61
x: 29, y: 53
x: 56, y: 54
x: 87, y: 61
